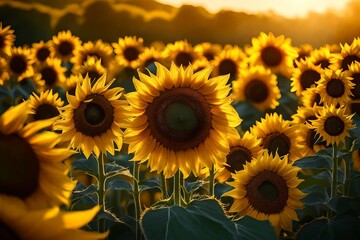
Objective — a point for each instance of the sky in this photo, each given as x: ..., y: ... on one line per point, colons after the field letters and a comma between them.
x: 286, y: 8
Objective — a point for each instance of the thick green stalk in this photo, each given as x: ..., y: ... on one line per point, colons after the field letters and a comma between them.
x: 211, y: 181
x: 163, y: 186
x: 346, y: 176
x: 136, y: 191
x: 334, y: 172
x: 101, y: 191
x: 176, y: 189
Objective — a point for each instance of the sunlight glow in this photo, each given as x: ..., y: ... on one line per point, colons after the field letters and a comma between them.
x: 287, y: 8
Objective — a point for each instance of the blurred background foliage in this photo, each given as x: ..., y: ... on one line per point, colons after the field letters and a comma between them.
x: 110, y: 19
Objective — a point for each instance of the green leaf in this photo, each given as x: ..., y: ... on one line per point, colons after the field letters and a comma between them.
x: 202, y: 219
x: 250, y: 228
x: 112, y: 169
x: 149, y: 183
x: 88, y: 166
x: 118, y: 184
x: 81, y: 191
x: 120, y: 231
x: 342, y: 204
x: 316, y: 194
x: 320, y: 160
x: 323, y: 178
x: 192, y: 187
x: 341, y: 227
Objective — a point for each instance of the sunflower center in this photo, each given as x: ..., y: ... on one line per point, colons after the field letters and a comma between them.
x: 179, y: 118
x: 356, y: 90
x: 209, y: 55
x: 94, y: 116
x: 45, y: 111
x: 227, y: 66
x: 256, y: 91
x: 18, y: 64
x: 49, y: 75
x: 308, y: 78
x: 65, y: 48
x: 20, y: 167
x: 335, y: 88
x: 267, y: 192
x: 183, y: 58
x: 42, y: 54
x: 237, y: 157
x: 131, y: 53
x: 311, y: 139
x: 93, y: 75
x: 324, y: 63
x: 271, y: 56
x: 348, y: 60
x: 277, y: 142
x: 7, y: 233
x: 334, y: 126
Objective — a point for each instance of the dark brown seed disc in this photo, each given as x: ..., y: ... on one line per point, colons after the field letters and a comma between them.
x: 18, y: 64
x: 227, y: 66
x: 334, y: 126
x: 65, y: 48
x: 256, y: 91
x: 237, y: 157
x: 49, y: 75
x: 184, y: 59
x: 335, y: 88
x: 308, y: 78
x: 131, y: 53
x: 348, y: 60
x: 271, y: 56
x: 42, y: 54
x: 277, y: 142
x: 45, y: 111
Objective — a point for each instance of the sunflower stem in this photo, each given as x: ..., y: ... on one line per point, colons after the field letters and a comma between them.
x: 136, y: 175
x: 163, y: 186
x: 335, y: 172
x: 211, y: 181
x: 101, y: 191
x: 176, y: 191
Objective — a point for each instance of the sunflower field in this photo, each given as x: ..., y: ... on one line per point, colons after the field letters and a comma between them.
x: 127, y: 140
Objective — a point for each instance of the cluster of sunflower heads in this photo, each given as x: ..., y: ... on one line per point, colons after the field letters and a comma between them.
x: 147, y: 141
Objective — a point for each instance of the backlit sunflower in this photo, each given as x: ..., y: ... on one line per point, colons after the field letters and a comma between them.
x: 42, y: 50
x: 50, y: 72
x: 208, y: 50
x: 273, y: 52
x: 242, y: 150
x: 348, y: 55
x: 200, y: 64
x: 356, y: 160
x: 19, y: 63
x: 354, y: 70
x: 17, y: 221
x: 41, y: 180
x: 150, y: 56
x: 277, y: 135
x: 181, y: 53
x: 267, y: 190
x: 7, y: 39
x: 310, y: 97
x: 307, y: 137
x: 64, y: 44
x: 180, y: 118
x: 258, y: 86
x: 45, y: 106
x: 127, y: 51
x: 91, y: 121
x: 98, y: 49
x: 321, y: 57
x: 333, y: 124
x: 305, y: 114
x: 92, y: 66
x: 4, y: 75
x: 229, y: 61
x: 334, y: 87
x: 305, y: 75
x: 304, y: 51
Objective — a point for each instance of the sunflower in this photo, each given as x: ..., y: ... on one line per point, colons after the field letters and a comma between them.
x: 45, y: 106
x: 308, y: 140
x: 42, y: 50
x: 65, y: 44
x: 208, y: 50
x: 180, y: 119
x: 127, y: 51
x: 4, y: 75
x: 17, y: 221
x: 41, y: 180
x: 150, y: 56
x: 310, y: 97
x: 333, y: 124
x: 304, y: 51
x: 70, y: 83
x: 7, y: 39
x: 19, y: 63
x: 267, y: 189
x: 354, y: 70
x: 273, y: 52
x: 91, y: 121
x: 98, y: 49
x: 304, y: 76
x: 305, y: 114
x: 277, y: 136
x: 321, y: 57
x: 356, y: 160
x: 51, y: 72
x: 92, y: 66
x: 200, y: 64
x: 181, y: 53
x: 349, y: 54
x: 242, y: 150
x: 258, y: 86
x: 334, y: 87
